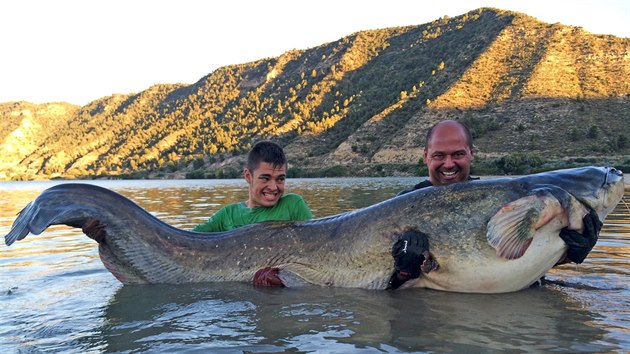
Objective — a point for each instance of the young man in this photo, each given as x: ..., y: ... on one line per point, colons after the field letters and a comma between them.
x: 265, y: 174
x: 448, y: 154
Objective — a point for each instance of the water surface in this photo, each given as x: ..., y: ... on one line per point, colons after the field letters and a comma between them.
x: 56, y: 295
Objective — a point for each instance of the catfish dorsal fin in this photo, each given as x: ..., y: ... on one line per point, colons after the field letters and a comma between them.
x: 511, y: 229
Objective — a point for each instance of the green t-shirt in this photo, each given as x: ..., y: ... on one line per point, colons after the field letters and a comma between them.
x: 290, y: 207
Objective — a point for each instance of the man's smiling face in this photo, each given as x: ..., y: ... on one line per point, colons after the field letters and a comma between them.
x: 266, y: 184
x: 448, y: 155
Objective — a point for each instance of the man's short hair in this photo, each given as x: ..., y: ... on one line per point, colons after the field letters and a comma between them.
x: 466, y: 132
x: 265, y: 151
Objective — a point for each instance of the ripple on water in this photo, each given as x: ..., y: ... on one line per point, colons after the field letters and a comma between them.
x: 56, y: 295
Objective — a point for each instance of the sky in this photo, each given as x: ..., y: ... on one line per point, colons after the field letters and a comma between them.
x: 77, y: 51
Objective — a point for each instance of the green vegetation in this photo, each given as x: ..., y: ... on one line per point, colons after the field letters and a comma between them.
x: 536, y: 96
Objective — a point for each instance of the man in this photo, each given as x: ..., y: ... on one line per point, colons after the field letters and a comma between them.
x: 448, y: 154
x: 265, y: 174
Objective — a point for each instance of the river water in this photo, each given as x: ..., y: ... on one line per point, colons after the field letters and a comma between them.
x: 56, y: 295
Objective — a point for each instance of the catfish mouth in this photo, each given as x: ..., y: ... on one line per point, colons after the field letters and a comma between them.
x: 612, y: 172
x: 608, y: 196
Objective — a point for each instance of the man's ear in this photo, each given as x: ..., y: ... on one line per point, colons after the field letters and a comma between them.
x: 248, y: 175
x: 424, y: 155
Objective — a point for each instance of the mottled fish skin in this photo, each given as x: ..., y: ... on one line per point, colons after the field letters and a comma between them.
x: 347, y: 250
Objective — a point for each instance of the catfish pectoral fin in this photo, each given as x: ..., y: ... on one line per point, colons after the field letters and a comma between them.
x: 511, y: 230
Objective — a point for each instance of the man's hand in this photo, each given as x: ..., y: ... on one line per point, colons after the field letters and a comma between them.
x: 267, y: 276
x: 410, y: 252
x: 95, y: 230
x: 580, y: 244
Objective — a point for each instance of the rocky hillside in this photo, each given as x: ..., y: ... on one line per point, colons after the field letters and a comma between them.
x: 535, y: 95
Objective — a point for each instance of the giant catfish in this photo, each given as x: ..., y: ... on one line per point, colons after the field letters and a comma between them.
x: 486, y: 236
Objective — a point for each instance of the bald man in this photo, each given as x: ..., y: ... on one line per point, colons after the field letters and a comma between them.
x: 448, y: 154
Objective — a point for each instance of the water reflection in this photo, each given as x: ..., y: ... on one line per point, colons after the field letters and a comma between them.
x: 219, y: 317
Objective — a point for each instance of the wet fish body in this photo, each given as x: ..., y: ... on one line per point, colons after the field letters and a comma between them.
x: 488, y: 236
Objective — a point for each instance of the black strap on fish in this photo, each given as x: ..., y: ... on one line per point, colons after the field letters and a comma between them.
x: 580, y: 244
x: 408, y: 257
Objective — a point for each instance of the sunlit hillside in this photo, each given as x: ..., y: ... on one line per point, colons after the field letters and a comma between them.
x: 536, y: 96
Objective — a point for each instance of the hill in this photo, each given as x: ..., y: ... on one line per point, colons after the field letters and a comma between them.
x: 536, y: 95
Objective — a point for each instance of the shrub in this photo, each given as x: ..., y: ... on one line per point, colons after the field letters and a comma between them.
x: 196, y: 174
x: 518, y: 163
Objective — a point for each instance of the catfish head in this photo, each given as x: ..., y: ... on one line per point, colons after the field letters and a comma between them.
x: 598, y: 188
